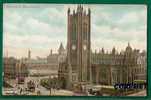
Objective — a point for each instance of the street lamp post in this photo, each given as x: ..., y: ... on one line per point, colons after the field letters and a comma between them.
x: 55, y: 82
x: 50, y: 83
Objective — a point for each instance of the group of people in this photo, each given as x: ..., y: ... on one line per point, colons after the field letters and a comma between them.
x: 96, y: 93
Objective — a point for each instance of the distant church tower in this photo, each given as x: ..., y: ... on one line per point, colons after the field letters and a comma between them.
x: 61, y: 49
x: 78, y: 44
x: 29, y: 54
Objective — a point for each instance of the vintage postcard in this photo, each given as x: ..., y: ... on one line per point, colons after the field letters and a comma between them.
x: 74, y: 49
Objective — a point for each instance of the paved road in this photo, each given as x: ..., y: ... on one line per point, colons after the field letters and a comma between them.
x: 40, y: 88
x: 141, y: 93
x: 43, y: 90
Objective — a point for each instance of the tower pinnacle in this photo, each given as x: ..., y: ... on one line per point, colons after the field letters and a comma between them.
x: 29, y: 54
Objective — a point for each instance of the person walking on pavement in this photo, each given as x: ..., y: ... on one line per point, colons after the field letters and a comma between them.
x: 20, y: 90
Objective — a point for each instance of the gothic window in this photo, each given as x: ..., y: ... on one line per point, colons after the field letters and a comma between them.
x: 85, y: 31
x: 74, y: 29
x: 73, y: 78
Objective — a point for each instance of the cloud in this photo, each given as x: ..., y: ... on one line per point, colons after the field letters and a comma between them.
x: 42, y: 27
x: 35, y: 43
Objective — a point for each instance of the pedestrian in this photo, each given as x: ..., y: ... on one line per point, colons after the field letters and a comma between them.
x: 50, y: 91
x: 20, y: 90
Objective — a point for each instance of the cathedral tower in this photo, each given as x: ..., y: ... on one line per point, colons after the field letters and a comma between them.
x: 78, y: 44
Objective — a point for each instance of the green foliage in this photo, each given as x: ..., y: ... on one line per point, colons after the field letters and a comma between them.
x: 49, y: 83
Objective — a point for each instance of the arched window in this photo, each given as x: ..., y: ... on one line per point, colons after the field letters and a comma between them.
x: 85, y: 31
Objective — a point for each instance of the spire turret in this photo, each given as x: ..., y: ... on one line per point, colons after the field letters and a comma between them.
x: 29, y: 54
x: 61, y: 48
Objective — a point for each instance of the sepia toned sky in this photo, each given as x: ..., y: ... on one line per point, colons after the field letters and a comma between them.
x: 43, y: 27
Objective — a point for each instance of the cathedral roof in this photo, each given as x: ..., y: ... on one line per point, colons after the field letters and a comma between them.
x: 128, y: 48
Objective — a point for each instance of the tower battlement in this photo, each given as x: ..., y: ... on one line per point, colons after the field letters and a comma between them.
x: 80, y: 10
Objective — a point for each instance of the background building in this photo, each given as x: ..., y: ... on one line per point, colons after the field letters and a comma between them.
x: 14, y: 68
x: 115, y: 67
x: 9, y: 67
x: 45, y: 66
x: 21, y: 69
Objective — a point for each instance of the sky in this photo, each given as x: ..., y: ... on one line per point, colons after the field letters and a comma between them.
x: 42, y: 27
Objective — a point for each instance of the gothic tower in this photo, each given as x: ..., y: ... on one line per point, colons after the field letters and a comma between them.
x: 29, y: 54
x: 78, y: 44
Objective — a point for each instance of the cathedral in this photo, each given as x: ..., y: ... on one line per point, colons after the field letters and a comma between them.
x: 82, y: 66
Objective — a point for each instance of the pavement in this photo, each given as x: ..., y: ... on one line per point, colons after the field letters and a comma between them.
x: 141, y: 93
